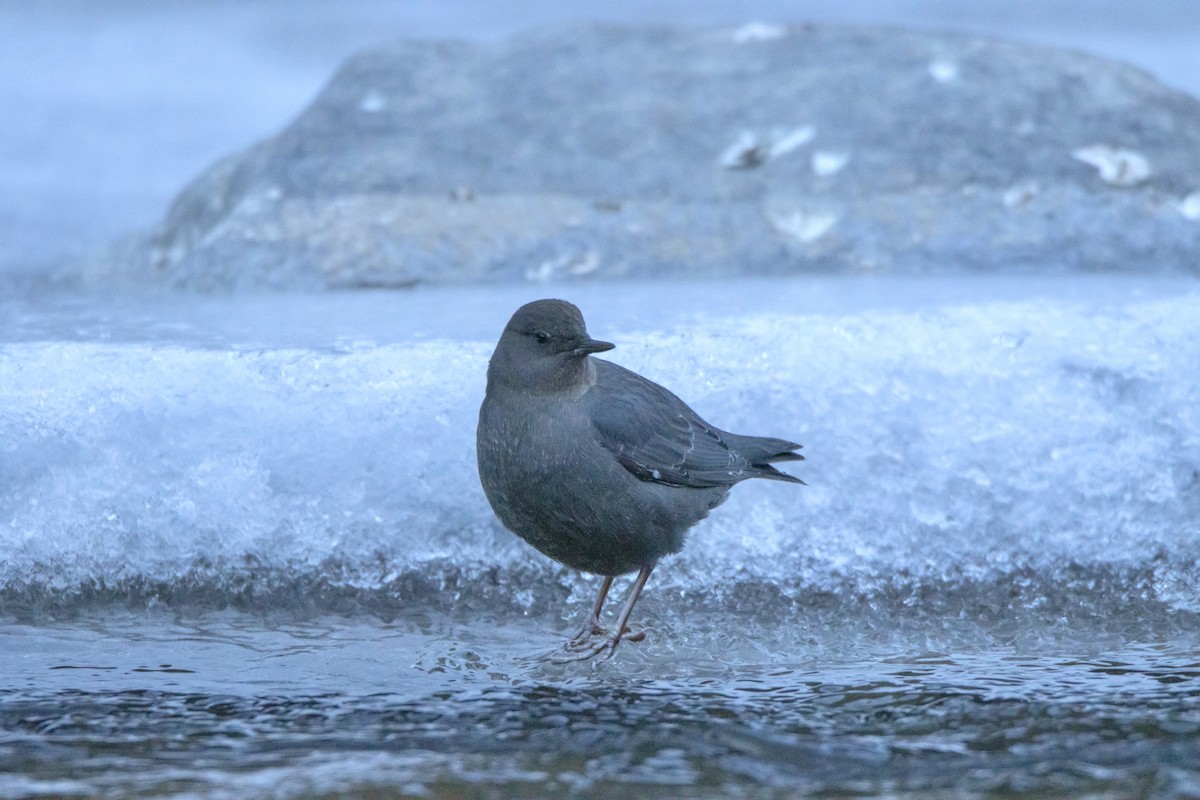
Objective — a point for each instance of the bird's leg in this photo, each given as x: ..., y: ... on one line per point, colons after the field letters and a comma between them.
x: 609, y: 645
x: 623, y: 620
x: 592, y: 626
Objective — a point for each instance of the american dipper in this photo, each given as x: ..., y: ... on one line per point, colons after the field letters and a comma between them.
x: 596, y: 466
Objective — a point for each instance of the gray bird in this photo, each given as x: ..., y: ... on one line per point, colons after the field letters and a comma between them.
x: 596, y: 466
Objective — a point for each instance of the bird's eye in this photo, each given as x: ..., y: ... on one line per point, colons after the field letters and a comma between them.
x: 541, y: 336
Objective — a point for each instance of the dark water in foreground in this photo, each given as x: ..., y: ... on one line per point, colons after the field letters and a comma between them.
x: 229, y: 705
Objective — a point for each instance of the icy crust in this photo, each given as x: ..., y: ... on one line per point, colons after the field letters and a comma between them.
x: 1010, y: 459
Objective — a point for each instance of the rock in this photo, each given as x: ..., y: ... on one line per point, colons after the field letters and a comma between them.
x: 595, y: 152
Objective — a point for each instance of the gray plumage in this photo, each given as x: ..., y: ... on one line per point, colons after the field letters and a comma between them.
x: 594, y: 465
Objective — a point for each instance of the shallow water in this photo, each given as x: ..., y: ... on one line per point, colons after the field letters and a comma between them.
x: 245, y: 552
x: 229, y: 705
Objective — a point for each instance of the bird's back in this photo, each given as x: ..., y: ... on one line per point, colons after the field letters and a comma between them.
x: 659, y: 438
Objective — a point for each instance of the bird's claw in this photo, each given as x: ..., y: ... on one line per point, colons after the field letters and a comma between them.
x: 583, y: 645
x: 589, y: 631
x: 586, y: 650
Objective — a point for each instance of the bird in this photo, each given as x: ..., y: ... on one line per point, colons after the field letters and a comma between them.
x: 597, y: 467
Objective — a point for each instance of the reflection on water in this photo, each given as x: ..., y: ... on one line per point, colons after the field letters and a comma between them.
x: 442, y: 706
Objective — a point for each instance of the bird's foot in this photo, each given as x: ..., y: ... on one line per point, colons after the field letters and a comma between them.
x: 586, y: 650
x: 590, y: 630
x: 584, y: 646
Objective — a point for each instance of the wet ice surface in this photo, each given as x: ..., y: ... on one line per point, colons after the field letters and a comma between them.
x: 245, y: 549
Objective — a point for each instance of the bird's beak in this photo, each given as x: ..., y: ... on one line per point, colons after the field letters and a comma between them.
x: 588, y: 346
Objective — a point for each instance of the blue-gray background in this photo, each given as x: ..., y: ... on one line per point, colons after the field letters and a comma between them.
x: 109, y: 108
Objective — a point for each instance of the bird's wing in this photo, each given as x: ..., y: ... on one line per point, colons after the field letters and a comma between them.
x: 657, y: 437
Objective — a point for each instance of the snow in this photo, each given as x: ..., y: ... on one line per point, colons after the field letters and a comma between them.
x: 959, y: 433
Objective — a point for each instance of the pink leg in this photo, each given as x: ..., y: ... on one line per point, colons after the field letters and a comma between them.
x: 609, y: 645
x: 592, y: 626
x: 623, y: 620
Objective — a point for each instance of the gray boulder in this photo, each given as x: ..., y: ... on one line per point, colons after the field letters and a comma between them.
x: 595, y: 152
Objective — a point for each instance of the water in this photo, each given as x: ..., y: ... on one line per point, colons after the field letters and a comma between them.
x: 245, y: 552
x: 432, y: 706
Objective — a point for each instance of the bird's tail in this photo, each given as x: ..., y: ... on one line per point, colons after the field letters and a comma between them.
x: 764, y: 451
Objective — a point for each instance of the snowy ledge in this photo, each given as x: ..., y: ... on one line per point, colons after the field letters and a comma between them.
x: 600, y: 152
x: 993, y: 450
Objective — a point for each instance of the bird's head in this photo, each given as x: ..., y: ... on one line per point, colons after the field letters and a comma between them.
x: 544, y: 348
